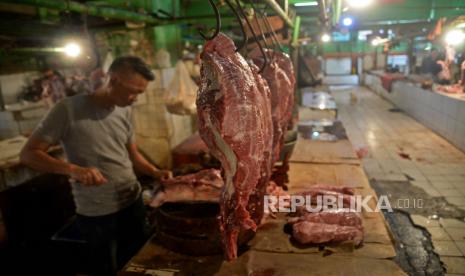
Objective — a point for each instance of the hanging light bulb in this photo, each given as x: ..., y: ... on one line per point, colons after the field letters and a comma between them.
x: 72, y: 49
x: 455, y: 37
x: 359, y: 3
x: 325, y: 38
x: 347, y: 21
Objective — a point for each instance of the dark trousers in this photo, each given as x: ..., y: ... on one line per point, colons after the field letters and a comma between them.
x: 113, y: 239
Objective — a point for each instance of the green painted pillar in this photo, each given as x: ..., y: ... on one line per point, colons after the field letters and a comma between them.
x: 295, y: 34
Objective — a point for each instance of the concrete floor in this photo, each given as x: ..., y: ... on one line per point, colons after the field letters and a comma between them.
x: 427, y: 168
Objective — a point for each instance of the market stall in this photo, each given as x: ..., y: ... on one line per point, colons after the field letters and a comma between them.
x: 440, y: 111
x: 272, y: 250
x: 229, y: 137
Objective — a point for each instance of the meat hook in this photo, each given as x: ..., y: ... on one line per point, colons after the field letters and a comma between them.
x: 260, y: 27
x: 265, y: 61
x: 218, y: 22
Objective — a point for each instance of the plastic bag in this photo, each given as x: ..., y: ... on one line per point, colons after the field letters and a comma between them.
x: 163, y: 59
x: 181, y: 92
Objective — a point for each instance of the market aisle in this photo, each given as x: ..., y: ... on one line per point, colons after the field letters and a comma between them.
x: 402, y: 150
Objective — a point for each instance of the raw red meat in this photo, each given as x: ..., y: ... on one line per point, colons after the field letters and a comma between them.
x: 279, y: 74
x: 202, y: 186
x: 338, y: 189
x: 256, y: 200
x: 329, y: 225
x: 275, y: 190
x: 338, y: 217
x: 306, y: 232
x: 452, y: 89
x: 233, y: 123
x: 315, y: 192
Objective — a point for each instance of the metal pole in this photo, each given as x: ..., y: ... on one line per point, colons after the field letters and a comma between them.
x: 323, y: 15
x: 295, y: 34
x: 275, y: 6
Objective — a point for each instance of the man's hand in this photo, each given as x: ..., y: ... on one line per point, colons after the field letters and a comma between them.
x: 87, y: 176
x: 162, y: 174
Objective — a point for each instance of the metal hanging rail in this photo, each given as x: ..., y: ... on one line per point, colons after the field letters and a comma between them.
x: 106, y: 12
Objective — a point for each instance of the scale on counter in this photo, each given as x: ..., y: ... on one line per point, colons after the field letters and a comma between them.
x: 319, y: 101
x: 322, y: 130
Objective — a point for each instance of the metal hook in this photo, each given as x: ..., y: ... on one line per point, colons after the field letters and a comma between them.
x: 254, y: 35
x: 260, y: 28
x: 244, y: 34
x: 258, y: 24
x: 273, y: 33
x: 218, y: 22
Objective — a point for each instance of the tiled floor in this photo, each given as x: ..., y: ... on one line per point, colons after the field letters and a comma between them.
x: 400, y: 149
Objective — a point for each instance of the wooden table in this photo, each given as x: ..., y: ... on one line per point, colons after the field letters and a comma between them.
x: 271, y: 252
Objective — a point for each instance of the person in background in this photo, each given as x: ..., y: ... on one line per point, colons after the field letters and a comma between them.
x: 53, y: 87
x: 97, y: 135
x: 429, y: 64
x: 443, y: 77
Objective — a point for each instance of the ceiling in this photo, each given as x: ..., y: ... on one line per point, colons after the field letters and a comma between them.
x: 382, y: 11
x: 36, y: 26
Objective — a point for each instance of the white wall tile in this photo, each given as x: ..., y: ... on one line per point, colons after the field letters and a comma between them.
x: 450, y: 127
x: 451, y: 106
x: 461, y: 111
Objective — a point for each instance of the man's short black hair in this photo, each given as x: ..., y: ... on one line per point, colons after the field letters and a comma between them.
x: 134, y: 64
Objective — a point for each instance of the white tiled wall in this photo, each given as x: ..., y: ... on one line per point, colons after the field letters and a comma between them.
x: 341, y: 80
x: 338, y: 66
x: 443, y: 114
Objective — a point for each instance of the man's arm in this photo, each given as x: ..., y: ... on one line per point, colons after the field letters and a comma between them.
x: 143, y: 166
x: 34, y: 154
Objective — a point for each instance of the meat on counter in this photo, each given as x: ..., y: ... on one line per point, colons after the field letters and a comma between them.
x: 204, y: 185
x: 332, y: 225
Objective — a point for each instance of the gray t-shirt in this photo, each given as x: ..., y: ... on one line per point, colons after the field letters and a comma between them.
x: 94, y: 137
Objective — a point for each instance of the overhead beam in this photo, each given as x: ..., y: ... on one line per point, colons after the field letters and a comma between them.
x: 93, y: 10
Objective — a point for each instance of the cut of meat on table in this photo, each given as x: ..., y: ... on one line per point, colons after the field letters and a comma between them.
x: 452, y: 89
x: 328, y: 225
x: 338, y: 217
x: 338, y: 189
x: 306, y: 232
x: 231, y: 113
x: 275, y: 190
x: 314, y: 193
x: 205, y: 185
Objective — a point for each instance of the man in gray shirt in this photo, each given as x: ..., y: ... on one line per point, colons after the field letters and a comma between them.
x: 97, y: 135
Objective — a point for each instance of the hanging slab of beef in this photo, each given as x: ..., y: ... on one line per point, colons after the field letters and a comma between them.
x: 279, y: 74
x: 256, y: 200
x: 205, y: 185
x: 233, y: 123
